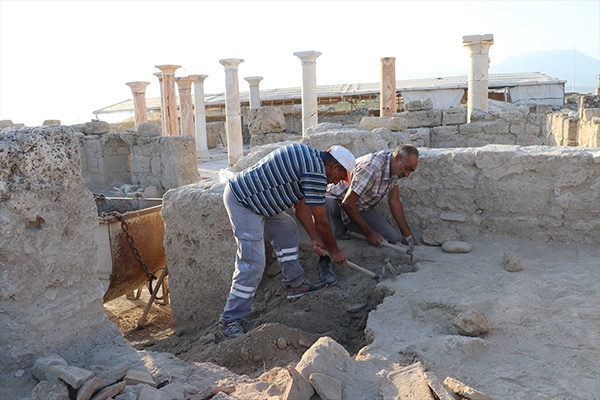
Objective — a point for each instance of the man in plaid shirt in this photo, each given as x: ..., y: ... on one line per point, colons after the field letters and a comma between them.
x: 352, y: 207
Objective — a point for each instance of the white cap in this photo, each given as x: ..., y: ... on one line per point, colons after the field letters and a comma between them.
x: 344, y: 157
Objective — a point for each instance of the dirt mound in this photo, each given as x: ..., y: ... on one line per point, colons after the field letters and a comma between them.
x: 279, y: 330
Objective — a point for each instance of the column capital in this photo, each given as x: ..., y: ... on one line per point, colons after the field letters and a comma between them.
x: 168, y: 69
x: 472, y: 40
x: 198, y: 78
x: 308, y: 56
x: 184, y: 82
x: 253, y: 80
x: 230, y: 63
x: 138, y: 86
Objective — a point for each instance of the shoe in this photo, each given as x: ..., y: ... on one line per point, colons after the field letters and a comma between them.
x: 231, y: 329
x: 326, y: 272
x: 304, y: 288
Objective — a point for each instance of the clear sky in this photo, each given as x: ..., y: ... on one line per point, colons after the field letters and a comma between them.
x: 65, y: 59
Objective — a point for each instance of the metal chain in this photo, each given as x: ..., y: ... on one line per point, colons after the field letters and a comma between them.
x: 136, y: 253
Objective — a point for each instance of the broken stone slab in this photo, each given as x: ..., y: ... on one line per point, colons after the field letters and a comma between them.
x: 133, y: 377
x: 439, y: 235
x: 439, y: 389
x: 463, y: 390
x: 406, y: 383
x: 109, y: 391
x: 41, y: 367
x: 87, y: 390
x: 55, y: 390
x: 453, y: 216
x: 126, y: 396
x: 327, y: 387
x: 298, y: 387
x: 395, y: 123
x: 74, y: 376
x: 453, y: 246
x: 325, y: 356
x: 323, y: 127
x: 511, y: 262
x: 471, y: 323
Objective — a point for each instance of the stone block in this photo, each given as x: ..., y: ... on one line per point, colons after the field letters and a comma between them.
x: 471, y: 323
x: 41, y: 367
x: 454, y: 116
x: 453, y: 246
x: 406, y: 383
x: 420, y: 137
x: 438, y: 388
x: 5, y: 123
x: 464, y: 390
x: 74, y: 376
x: 266, y: 120
x: 298, y: 387
x: 393, y: 123
x: 419, y: 105
x: 444, y: 136
x: 323, y: 127
x: 589, y: 113
x: 327, y: 388
x: 480, y: 115
x: 96, y: 127
x: 266, y: 138
x: 418, y: 119
x: 453, y: 216
x: 149, y: 129
x: 50, y: 122
x: 134, y: 377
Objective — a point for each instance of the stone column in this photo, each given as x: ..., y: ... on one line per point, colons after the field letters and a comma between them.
x: 479, y: 63
x: 139, y: 102
x: 162, y: 102
x: 235, y: 143
x: 200, y: 112
x: 254, y: 81
x: 388, y: 102
x: 169, y: 100
x: 186, y: 110
x: 310, y: 115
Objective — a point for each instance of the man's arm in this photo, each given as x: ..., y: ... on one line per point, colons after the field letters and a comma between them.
x: 315, y: 223
x: 373, y: 237
x: 398, y: 212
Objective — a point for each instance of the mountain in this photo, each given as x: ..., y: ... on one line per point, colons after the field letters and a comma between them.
x: 580, y: 71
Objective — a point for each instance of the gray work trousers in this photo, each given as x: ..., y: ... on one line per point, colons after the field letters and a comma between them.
x: 374, y: 219
x: 250, y: 229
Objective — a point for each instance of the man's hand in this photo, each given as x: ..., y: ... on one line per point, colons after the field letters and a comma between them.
x: 374, y: 238
x: 338, y: 257
x: 319, y: 247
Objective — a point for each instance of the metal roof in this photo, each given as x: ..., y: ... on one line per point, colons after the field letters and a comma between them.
x: 355, y: 90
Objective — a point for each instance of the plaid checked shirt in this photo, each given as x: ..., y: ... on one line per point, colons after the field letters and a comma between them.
x: 371, y: 180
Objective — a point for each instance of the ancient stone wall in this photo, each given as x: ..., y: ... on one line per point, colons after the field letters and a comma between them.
x: 546, y: 193
x: 50, y: 298
x: 113, y: 159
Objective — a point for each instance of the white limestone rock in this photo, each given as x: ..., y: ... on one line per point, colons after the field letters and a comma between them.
x: 327, y: 387
x: 464, y: 390
x: 395, y: 123
x: 454, y: 116
x: 471, y: 323
x: 96, y: 127
x: 419, y: 105
x: 480, y: 115
x: 323, y: 127
x: 511, y: 262
x: 266, y: 120
x: 149, y: 129
x: 50, y: 122
x: 452, y: 246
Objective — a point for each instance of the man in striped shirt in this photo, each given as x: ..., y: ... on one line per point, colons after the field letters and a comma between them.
x: 374, y: 177
x: 256, y: 199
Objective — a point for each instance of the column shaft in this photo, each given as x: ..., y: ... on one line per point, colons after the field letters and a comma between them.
x: 169, y: 112
x: 200, y: 113
x: 184, y: 85
x: 388, y: 102
x: 310, y: 115
x: 235, y: 143
x: 479, y: 63
x: 140, y: 111
x: 254, y: 81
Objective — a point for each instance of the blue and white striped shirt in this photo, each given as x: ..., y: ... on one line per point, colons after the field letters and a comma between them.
x: 281, y: 179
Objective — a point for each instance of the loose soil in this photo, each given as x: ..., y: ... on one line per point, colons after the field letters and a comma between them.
x: 279, y: 330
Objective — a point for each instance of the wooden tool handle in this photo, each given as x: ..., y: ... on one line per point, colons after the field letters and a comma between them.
x: 402, y: 249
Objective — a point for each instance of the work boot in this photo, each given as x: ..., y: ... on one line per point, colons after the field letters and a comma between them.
x: 326, y: 272
x: 231, y: 329
x: 305, y: 288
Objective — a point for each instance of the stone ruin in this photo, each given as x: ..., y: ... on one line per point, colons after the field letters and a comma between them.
x: 48, y: 217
